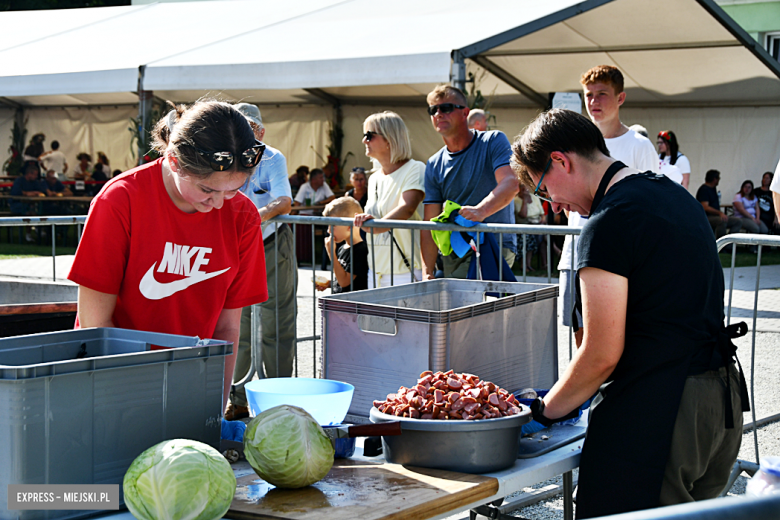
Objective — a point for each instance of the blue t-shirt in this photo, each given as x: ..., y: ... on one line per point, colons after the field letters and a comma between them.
x: 468, y: 176
x: 21, y: 184
x: 268, y: 182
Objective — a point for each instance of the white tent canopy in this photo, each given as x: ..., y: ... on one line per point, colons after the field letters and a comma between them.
x: 672, y: 52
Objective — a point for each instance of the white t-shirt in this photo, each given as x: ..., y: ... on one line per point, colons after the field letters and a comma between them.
x: 671, y: 171
x: 633, y: 150
x: 384, y: 195
x: 307, y: 192
x: 54, y: 161
x: 682, y: 162
x: 775, y: 186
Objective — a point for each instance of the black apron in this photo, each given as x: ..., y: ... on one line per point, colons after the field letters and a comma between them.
x: 632, y: 418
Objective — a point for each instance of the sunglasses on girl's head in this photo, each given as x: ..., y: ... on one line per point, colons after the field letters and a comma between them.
x: 370, y: 135
x: 221, y: 161
x: 445, y: 108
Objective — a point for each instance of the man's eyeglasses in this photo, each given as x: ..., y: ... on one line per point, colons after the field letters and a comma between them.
x: 221, y: 161
x: 445, y: 108
x: 538, y: 191
x: 370, y: 135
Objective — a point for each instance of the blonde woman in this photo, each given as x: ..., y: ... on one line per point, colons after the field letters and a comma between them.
x: 395, y: 191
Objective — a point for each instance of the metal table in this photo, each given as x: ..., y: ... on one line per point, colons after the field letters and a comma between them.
x: 525, y: 472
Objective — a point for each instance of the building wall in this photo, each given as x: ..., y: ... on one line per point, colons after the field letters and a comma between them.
x: 755, y: 17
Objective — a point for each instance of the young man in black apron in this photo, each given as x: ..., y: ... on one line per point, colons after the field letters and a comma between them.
x: 665, y: 427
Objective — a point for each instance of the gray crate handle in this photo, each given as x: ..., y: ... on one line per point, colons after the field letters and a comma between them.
x: 377, y: 325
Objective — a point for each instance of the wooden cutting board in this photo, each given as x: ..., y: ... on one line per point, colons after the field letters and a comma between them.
x: 362, y: 490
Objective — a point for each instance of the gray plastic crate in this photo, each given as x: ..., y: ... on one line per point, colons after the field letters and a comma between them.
x: 71, y: 420
x: 381, y: 339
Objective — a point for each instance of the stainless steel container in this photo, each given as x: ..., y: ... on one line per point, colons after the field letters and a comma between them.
x: 381, y: 339
x: 465, y: 446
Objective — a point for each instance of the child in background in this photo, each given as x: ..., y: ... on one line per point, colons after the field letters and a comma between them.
x: 352, y: 265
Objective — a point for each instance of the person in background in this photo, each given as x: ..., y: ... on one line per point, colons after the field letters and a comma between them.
x: 269, y: 189
x: 54, y: 188
x: 477, y: 120
x: 604, y: 95
x: 746, y: 208
x: 649, y: 338
x: 298, y: 179
x: 707, y: 195
x: 54, y: 160
x: 351, y: 269
x: 641, y: 130
x: 669, y: 153
x: 359, y: 181
x: 529, y: 210
x: 774, y: 186
x: 82, y: 172
x: 395, y: 191
x: 101, y: 171
x: 766, y: 204
x: 179, y: 248
x: 35, y: 149
x: 471, y: 169
x: 313, y: 192
x: 29, y: 184
x: 115, y: 173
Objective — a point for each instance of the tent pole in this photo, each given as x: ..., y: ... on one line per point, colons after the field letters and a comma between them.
x: 144, y: 113
x: 458, y: 72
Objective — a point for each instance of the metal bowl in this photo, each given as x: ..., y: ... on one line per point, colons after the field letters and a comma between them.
x: 480, y: 446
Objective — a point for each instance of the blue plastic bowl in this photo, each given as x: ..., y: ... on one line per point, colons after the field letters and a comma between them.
x: 326, y: 400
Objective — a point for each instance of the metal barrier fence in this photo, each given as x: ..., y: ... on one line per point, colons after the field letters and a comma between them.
x: 47, y: 221
x: 759, y: 241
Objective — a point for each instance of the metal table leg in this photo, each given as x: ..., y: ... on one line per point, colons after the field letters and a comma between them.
x: 568, y: 490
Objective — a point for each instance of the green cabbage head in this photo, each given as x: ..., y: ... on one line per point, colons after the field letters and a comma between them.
x: 179, y: 479
x: 287, y: 447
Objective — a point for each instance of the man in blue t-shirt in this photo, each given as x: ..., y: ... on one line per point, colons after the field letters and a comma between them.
x: 28, y: 185
x: 269, y: 189
x: 471, y: 169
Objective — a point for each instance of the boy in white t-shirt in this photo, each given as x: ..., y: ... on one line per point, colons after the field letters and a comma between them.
x: 603, y: 92
x: 54, y: 161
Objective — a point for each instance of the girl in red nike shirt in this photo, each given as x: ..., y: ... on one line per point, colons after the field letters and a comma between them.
x: 172, y: 246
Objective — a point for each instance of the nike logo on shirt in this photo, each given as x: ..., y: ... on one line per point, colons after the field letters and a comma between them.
x: 176, y: 260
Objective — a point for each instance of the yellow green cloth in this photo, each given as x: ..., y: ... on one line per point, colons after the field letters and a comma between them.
x: 441, y: 237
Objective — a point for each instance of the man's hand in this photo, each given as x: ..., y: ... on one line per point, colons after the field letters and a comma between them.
x: 472, y: 213
x: 279, y: 206
x: 724, y: 217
